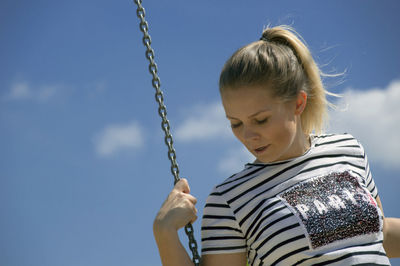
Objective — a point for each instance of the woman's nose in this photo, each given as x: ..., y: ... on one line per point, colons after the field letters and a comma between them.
x: 249, y: 133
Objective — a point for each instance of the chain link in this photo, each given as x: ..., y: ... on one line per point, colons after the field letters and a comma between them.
x: 162, y: 111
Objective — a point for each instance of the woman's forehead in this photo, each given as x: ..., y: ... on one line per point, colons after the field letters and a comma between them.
x: 247, y: 102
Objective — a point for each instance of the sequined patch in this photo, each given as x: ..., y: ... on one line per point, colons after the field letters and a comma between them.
x: 333, y: 207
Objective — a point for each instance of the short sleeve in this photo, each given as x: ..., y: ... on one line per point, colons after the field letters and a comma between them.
x: 220, y: 232
x: 369, y: 181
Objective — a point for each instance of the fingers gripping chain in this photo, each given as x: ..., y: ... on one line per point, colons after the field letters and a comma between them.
x: 162, y: 111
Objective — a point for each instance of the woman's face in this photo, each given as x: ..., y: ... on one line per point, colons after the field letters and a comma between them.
x: 268, y: 127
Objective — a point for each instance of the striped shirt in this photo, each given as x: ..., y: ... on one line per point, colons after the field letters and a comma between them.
x: 315, y: 209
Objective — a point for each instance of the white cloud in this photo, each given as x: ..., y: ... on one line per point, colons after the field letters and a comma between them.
x: 207, y: 122
x: 234, y: 160
x: 46, y: 92
x: 115, y: 138
x: 373, y: 117
x: 95, y: 88
x: 19, y: 90
x: 204, y: 122
x: 23, y: 91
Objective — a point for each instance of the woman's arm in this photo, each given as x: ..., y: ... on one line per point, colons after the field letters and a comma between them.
x: 391, y: 234
x: 170, y: 248
x: 391, y: 237
x: 231, y: 259
x: 177, y: 211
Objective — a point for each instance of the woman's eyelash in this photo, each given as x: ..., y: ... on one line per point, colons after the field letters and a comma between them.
x: 235, y: 125
x: 262, y: 121
x: 257, y: 121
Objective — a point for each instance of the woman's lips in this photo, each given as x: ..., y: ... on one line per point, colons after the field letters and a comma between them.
x: 261, y: 149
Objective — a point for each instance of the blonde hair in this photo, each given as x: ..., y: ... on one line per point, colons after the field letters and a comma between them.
x: 280, y: 60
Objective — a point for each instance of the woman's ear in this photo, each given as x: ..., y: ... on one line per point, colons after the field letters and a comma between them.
x: 301, y: 102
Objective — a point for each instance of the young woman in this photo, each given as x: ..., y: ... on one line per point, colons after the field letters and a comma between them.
x: 307, y: 199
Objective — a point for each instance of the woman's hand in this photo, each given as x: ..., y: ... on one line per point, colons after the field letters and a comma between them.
x: 177, y: 210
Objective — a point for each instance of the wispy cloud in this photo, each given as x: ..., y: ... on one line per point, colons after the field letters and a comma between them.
x: 22, y: 90
x: 234, y: 160
x: 95, y: 88
x: 204, y: 122
x: 46, y: 92
x: 372, y: 116
x: 207, y: 122
x: 118, y: 137
x: 19, y: 91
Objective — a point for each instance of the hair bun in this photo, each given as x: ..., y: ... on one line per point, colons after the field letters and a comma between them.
x: 265, y: 36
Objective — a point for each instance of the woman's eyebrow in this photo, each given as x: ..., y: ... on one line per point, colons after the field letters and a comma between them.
x: 250, y: 116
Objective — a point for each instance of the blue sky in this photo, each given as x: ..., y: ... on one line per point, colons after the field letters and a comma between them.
x: 83, y: 166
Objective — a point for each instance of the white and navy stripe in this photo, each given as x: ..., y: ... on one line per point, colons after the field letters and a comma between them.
x: 244, y: 214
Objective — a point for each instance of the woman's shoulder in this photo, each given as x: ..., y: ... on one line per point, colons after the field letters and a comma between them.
x: 334, y: 138
x: 344, y: 142
x: 237, y: 178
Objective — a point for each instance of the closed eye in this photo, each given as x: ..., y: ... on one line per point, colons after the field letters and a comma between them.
x: 262, y: 121
x: 236, y: 125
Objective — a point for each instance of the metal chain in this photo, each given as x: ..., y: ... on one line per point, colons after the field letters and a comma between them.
x: 162, y: 111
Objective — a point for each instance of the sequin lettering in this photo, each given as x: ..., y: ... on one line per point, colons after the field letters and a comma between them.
x: 349, y: 196
x: 303, y: 209
x: 336, y: 202
x: 334, y: 207
x: 320, y: 207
